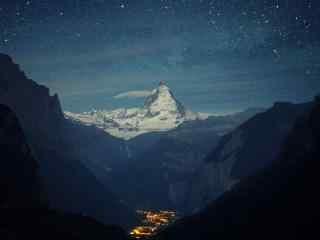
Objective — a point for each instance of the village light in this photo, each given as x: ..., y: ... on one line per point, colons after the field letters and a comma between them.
x: 153, y: 222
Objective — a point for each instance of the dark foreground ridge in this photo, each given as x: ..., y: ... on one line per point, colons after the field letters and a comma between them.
x: 23, y: 205
x: 61, y: 148
x: 281, y: 202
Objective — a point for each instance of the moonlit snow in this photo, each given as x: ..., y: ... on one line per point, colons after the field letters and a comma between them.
x: 161, y: 112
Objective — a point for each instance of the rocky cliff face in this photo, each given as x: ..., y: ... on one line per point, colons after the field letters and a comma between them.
x: 37, y: 111
x: 241, y: 153
x: 162, y: 102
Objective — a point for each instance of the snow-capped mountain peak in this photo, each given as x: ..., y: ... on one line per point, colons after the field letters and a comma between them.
x: 161, y: 112
x: 162, y: 101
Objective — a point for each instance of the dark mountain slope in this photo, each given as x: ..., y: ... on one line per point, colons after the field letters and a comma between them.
x: 70, y: 185
x: 161, y: 174
x: 100, y: 152
x: 20, y: 183
x: 260, y: 139
x: 23, y: 207
x: 39, y: 224
x: 247, y: 149
x: 163, y: 164
x: 281, y: 202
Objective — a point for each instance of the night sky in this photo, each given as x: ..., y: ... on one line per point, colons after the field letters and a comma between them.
x: 217, y: 56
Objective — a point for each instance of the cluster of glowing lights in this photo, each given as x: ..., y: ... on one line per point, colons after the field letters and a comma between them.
x: 153, y: 221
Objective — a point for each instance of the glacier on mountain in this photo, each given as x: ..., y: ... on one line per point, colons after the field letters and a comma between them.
x: 161, y: 112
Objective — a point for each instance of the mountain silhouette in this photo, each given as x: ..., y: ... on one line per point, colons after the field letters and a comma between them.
x: 69, y: 184
x: 247, y: 149
x: 24, y: 212
x: 281, y: 201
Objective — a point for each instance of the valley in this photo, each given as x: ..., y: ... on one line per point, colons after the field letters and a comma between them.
x: 152, y: 222
x: 159, y: 119
x: 72, y: 172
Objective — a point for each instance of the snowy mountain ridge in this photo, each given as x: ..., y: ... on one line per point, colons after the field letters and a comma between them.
x: 161, y: 112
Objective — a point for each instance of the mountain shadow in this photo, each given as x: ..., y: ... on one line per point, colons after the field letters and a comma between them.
x: 59, y: 151
x: 280, y: 202
x: 24, y: 213
x: 241, y: 153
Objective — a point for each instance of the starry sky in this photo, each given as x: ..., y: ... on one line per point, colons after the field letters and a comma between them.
x: 217, y: 56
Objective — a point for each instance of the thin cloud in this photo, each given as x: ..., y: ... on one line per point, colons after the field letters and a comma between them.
x: 133, y: 94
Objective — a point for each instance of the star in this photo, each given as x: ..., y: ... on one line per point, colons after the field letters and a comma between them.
x: 308, y: 72
x: 276, y: 52
x: 122, y: 6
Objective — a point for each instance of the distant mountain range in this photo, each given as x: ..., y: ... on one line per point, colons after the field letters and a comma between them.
x: 161, y: 112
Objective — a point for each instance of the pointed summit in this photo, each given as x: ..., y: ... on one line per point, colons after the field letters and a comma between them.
x: 163, y: 102
x: 160, y: 112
